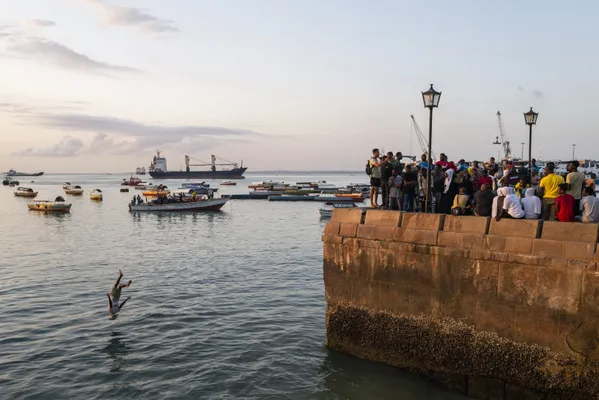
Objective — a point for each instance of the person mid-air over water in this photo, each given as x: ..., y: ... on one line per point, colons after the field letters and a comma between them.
x: 115, y: 295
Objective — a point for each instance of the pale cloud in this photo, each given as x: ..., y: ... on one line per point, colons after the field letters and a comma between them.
x: 114, y: 15
x: 122, y: 136
x: 16, y: 44
x: 38, y: 23
x: 66, y: 147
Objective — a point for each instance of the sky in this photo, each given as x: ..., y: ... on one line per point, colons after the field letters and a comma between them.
x: 100, y: 85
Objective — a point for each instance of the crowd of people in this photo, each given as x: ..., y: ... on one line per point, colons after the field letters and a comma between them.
x: 506, y: 190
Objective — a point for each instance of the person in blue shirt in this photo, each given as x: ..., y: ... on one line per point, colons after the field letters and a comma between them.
x: 423, y: 164
x: 462, y: 166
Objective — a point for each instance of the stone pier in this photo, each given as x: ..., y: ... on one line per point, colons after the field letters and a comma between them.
x: 494, y: 310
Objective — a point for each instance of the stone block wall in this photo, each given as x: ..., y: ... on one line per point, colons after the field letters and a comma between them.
x: 492, y: 309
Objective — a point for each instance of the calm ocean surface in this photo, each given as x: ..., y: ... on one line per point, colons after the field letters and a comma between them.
x: 224, y: 305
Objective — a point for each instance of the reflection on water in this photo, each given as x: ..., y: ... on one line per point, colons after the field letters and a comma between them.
x: 117, y: 350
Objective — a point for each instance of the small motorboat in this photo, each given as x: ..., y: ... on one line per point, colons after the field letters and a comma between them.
x: 156, y: 191
x: 124, y: 190
x: 144, y: 186
x: 201, y: 204
x: 66, y: 185
x: 96, y: 195
x: 228, y: 183
x: 327, y: 210
x: 58, y: 205
x: 25, y: 192
x: 75, y: 191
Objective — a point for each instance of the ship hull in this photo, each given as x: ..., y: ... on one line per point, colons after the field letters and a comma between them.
x: 24, y: 174
x: 236, y: 173
x: 203, y: 205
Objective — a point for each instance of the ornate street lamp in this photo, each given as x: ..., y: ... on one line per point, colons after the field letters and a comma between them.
x: 531, y: 119
x: 430, y: 99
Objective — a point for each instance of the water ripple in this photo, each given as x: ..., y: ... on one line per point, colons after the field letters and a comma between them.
x: 223, y: 305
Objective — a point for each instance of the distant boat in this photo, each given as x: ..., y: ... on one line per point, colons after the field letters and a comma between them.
x: 75, y: 191
x: 12, y: 172
x: 228, y: 183
x: 25, y: 192
x: 96, y: 195
x: 140, y: 170
x: 158, y: 169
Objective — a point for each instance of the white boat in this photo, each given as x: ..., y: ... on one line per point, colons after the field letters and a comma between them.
x: 66, y: 185
x: 228, y: 183
x: 25, y: 192
x: 327, y: 210
x: 199, y: 205
x: 75, y: 191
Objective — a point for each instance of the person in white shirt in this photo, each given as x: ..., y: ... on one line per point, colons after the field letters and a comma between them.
x: 531, y: 204
x: 507, y: 204
x: 589, y: 206
x: 375, y: 177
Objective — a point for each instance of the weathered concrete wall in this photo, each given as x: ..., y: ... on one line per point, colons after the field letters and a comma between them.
x: 501, y: 310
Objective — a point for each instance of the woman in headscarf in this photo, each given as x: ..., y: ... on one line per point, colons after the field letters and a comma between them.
x: 531, y: 205
x: 507, y: 204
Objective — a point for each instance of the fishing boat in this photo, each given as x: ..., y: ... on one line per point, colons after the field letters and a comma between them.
x: 96, y: 195
x: 140, y: 170
x: 228, y: 183
x: 75, y: 191
x: 58, y: 205
x: 327, y: 210
x: 8, y: 181
x: 203, y: 204
x: 25, y: 192
x: 66, y: 185
x: 133, y: 181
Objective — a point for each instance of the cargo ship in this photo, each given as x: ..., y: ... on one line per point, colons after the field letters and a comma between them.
x: 231, y: 170
x: 12, y: 172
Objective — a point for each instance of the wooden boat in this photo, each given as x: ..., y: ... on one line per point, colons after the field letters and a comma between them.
x: 228, y: 183
x: 124, y: 190
x: 329, y: 198
x: 75, y: 191
x: 96, y: 195
x: 346, y: 195
x: 58, y: 205
x: 327, y: 210
x: 25, y: 192
x: 199, y: 205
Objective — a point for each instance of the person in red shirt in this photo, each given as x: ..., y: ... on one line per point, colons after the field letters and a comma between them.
x: 564, y: 205
x: 485, y: 178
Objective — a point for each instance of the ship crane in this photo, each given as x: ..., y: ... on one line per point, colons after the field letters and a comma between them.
x: 213, y: 164
x: 421, y: 139
x: 504, y: 142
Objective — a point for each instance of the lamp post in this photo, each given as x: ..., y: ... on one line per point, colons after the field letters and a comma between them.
x: 530, y: 118
x: 573, y: 150
x: 430, y: 99
x: 522, y: 155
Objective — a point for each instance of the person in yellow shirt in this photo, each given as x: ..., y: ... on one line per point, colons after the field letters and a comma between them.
x: 549, y: 190
x: 521, y: 188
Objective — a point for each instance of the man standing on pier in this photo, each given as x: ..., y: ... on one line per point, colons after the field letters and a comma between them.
x: 375, y: 177
x: 549, y: 190
x: 386, y: 170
